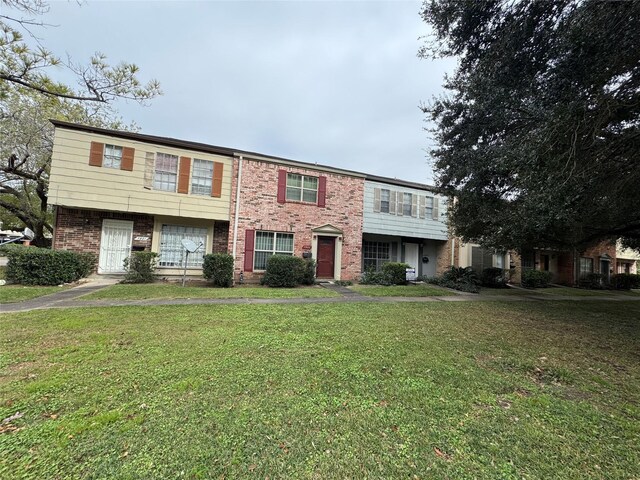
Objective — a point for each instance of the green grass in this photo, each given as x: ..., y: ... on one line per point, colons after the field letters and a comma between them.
x: 150, y: 291
x: 20, y: 293
x: 401, y: 290
x: 438, y: 390
x: 556, y: 291
x: 3, y: 271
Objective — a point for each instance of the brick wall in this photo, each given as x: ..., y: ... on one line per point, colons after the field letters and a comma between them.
x: 79, y: 230
x: 220, y: 237
x: 260, y: 210
x: 443, y: 260
x: 596, y: 252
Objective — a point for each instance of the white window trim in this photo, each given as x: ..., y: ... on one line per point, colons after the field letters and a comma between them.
x: 110, y: 160
x: 273, y: 251
x: 301, y: 188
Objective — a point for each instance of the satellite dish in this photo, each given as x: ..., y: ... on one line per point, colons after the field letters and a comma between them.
x: 28, y: 233
x: 189, y: 245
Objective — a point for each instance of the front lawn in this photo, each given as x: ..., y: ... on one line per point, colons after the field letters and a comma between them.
x: 20, y: 293
x: 556, y: 291
x: 381, y: 390
x: 423, y: 290
x: 156, y: 290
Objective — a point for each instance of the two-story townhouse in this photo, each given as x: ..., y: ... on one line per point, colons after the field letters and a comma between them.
x: 288, y: 207
x: 404, y: 222
x: 115, y: 192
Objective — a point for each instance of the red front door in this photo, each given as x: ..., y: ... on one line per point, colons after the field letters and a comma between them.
x: 326, y: 256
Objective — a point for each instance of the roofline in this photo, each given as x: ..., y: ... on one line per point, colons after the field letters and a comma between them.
x: 231, y: 152
x: 401, y: 183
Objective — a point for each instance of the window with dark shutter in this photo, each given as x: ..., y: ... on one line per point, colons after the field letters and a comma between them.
x: 249, y: 238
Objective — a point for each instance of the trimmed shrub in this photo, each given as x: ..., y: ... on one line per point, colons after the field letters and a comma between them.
x: 218, y: 268
x: 309, y: 272
x: 592, y: 281
x: 395, y: 273
x: 140, y: 267
x: 40, y: 266
x: 536, y: 278
x: 372, y: 277
x: 283, y: 271
x: 464, y: 279
x: 494, y: 277
x: 392, y: 273
x: 625, y: 281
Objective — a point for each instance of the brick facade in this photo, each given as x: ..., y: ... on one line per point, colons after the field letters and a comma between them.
x: 259, y: 210
x: 443, y: 260
x: 220, y: 237
x: 80, y: 230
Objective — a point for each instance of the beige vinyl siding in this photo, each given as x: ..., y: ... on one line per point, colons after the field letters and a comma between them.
x: 74, y: 183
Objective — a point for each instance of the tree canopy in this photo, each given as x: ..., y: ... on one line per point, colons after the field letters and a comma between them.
x: 29, y: 97
x: 539, y: 134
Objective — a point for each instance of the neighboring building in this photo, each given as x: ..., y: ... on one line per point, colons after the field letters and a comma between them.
x: 479, y: 258
x: 567, y: 267
x: 627, y: 260
x: 115, y: 192
x: 404, y: 222
x: 295, y: 208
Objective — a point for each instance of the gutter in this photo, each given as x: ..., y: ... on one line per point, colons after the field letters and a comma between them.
x: 237, y: 206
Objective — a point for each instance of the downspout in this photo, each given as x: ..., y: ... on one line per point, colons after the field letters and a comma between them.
x: 453, y: 250
x: 237, y: 208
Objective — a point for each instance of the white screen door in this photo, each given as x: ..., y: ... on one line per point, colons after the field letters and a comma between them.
x: 115, y: 245
x: 412, y: 257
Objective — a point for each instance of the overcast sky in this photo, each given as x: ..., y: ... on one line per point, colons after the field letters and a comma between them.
x: 337, y: 83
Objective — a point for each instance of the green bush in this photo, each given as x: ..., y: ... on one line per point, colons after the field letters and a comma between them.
x: 392, y: 273
x: 592, y: 281
x: 283, y: 271
x: 536, y: 278
x: 40, y: 266
x: 309, y: 272
x: 625, y: 281
x: 494, y: 277
x: 463, y: 279
x: 218, y: 268
x: 140, y: 267
x: 372, y: 277
x: 395, y: 273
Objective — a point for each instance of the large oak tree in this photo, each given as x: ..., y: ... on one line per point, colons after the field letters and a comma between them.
x: 539, y: 134
x: 30, y: 96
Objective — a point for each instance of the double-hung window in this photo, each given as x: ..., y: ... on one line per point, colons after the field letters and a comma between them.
x: 407, y: 199
x: 384, y: 200
x: 201, y: 177
x: 586, y: 265
x: 112, y: 156
x: 375, y: 254
x: 302, y: 188
x: 166, y: 172
x: 172, y: 252
x: 271, y: 243
x: 428, y: 208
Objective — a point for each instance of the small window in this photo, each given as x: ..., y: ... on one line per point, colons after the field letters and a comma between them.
x: 406, y: 204
x: 302, y: 188
x: 166, y: 172
x: 112, y: 156
x: 172, y: 253
x: 271, y: 243
x: 201, y: 177
x: 384, y: 200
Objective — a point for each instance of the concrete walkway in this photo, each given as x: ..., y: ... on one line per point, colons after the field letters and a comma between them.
x: 70, y: 298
